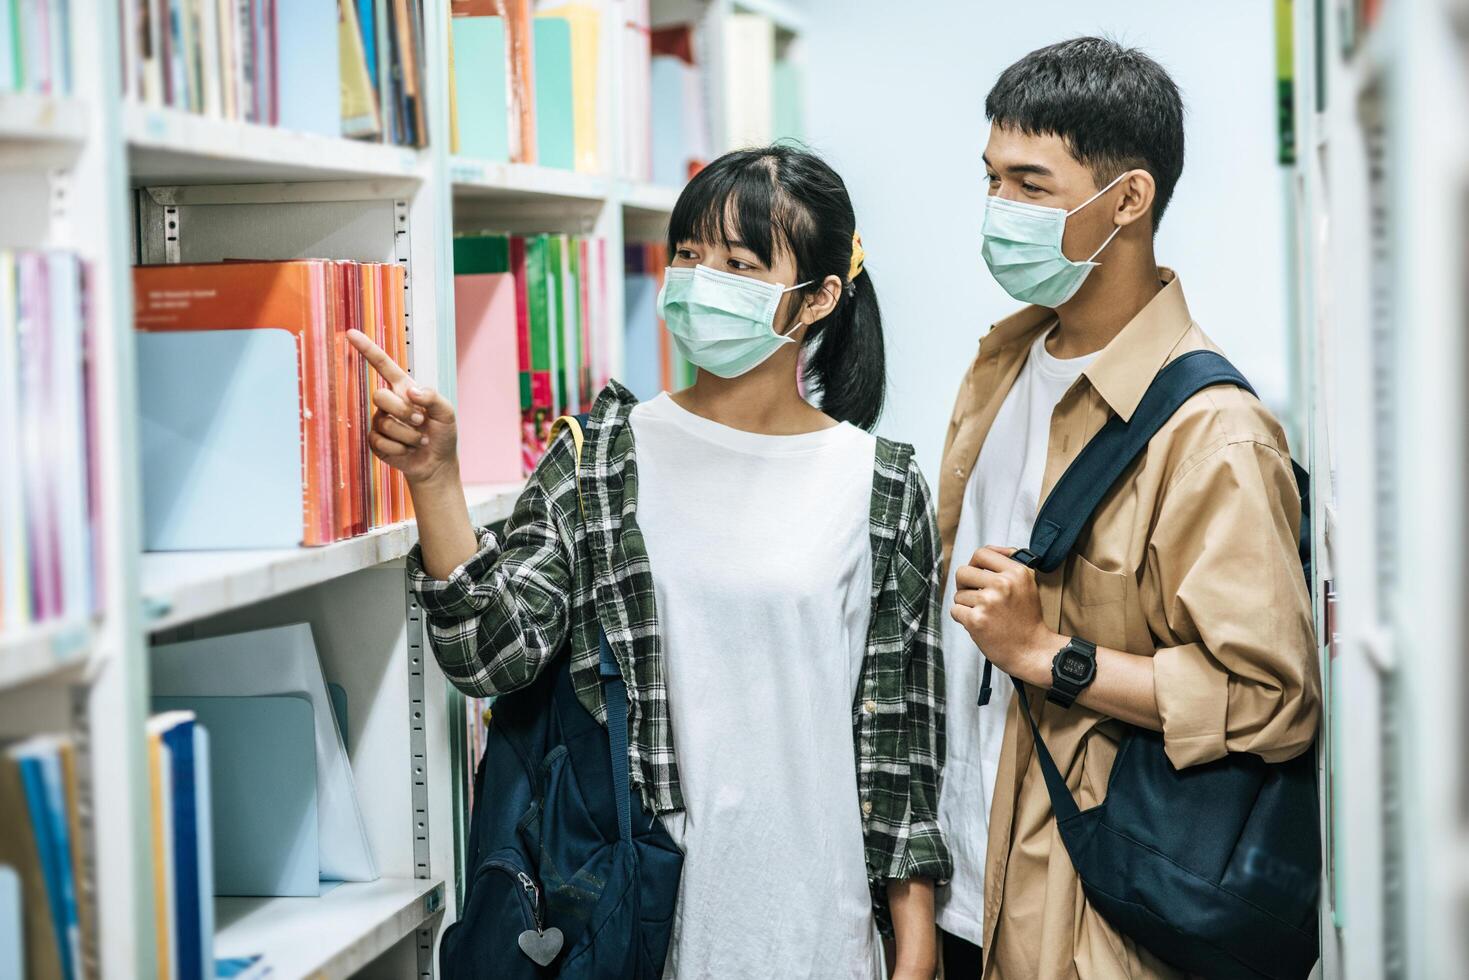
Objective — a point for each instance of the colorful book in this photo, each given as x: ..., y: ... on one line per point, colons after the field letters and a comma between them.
x: 480, y: 87
x: 488, y: 383
x: 22, y: 848
x: 554, y: 94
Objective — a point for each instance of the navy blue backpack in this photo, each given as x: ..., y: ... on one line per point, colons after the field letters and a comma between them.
x: 1214, y: 868
x: 569, y: 876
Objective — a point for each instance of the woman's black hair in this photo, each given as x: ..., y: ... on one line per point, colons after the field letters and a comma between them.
x: 784, y: 198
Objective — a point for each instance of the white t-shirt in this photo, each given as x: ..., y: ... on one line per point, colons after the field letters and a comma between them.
x: 999, y: 508
x: 762, y: 569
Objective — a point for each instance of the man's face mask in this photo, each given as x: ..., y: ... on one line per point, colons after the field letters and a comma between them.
x: 1022, y: 247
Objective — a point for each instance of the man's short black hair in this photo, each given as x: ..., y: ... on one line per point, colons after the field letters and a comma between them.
x: 1115, y: 108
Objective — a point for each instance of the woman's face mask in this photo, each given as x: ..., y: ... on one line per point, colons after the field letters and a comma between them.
x: 1022, y: 247
x: 721, y: 322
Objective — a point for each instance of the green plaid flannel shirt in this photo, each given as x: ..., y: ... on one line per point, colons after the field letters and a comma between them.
x: 559, y: 571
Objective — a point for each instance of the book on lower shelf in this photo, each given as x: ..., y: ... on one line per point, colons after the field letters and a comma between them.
x: 35, y: 46
x: 42, y: 846
x: 559, y: 289
x: 651, y: 362
x: 49, y: 543
x: 332, y: 67
x: 226, y: 442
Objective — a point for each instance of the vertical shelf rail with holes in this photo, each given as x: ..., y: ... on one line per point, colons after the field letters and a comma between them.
x: 1382, y: 313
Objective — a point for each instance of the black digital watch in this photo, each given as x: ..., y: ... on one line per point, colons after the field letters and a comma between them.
x: 1072, y: 669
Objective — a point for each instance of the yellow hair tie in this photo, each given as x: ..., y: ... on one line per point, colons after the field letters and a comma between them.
x: 855, y: 269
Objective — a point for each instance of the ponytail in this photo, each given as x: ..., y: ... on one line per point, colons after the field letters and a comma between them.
x: 846, y: 360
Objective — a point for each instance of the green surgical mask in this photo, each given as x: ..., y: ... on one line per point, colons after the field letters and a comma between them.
x: 721, y: 322
x: 1022, y: 247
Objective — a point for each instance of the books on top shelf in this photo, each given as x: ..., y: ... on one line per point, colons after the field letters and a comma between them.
x: 560, y: 327
x: 636, y: 119
x: 218, y: 464
x: 48, y: 493
x: 525, y: 81
x: 331, y: 67
x: 40, y: 809
x: 680, y: 121
x: 35, y: 46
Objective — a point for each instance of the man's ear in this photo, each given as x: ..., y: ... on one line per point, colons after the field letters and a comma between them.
x: 1136, y: 202
x: 820, y: 303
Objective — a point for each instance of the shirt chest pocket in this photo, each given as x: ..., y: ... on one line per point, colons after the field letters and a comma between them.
x: 1094, y: 604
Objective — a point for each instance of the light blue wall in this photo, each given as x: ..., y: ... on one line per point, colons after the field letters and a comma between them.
x: 896, y: 103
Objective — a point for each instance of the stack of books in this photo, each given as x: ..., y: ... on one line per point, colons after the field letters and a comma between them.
x: 333, y: 67
x: 256, y: 409
x: 48, y: 491
x: 552, y: 293
x: 525, y: 82
x: 35, y: 46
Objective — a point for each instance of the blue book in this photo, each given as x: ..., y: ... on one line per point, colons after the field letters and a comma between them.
x: 261, y: 757
x: 12, y: 922
x: 221, y: 434
x: 642, y: 372
x: 555, y: 112
x: 40, y: 771
x: 668, y: 117
x: 480, y: 100
x: 188, y: 918
x: 367, y: 27
x: 308, y: 67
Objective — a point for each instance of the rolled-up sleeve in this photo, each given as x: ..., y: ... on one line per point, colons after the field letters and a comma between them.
x: 498, y: 620
x: 922, y: 851
x: 1241, y: 674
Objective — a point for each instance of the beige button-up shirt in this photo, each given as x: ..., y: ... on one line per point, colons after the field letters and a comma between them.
x: 1191, y: 561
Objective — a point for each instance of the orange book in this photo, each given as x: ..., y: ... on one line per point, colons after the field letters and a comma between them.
x: 241, y: 295
x: 520, y: 51
x: 398, y: 324
x: 337, y: 392
x: 372, y: 326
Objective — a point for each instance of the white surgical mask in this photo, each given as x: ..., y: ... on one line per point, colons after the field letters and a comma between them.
x: 1022, y: 247
x: 721, y: 322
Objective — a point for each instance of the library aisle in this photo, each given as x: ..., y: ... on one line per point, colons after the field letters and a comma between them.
x: 198, y: 199
x: 225, y: 747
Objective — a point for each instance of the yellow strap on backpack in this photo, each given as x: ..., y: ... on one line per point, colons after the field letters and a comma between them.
x: 572, y: 423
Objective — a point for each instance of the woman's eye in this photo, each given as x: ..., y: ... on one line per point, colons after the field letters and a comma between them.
x: 686, y: 254
x: 739, y: 266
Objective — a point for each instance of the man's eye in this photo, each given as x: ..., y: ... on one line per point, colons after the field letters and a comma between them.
x: 1030, y: 188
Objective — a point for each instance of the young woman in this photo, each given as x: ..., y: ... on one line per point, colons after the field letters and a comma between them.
x: 766, y: 571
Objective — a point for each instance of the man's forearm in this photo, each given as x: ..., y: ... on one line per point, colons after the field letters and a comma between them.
x: 1123, y: 688
x: 915, y: 936
x: 444, y: 529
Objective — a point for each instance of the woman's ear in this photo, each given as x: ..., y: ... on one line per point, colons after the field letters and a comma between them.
x: 820, y: 303
x: 1138, y: 192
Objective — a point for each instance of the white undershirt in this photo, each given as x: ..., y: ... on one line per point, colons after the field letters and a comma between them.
x: 999, y: 508
x: 762, y: 569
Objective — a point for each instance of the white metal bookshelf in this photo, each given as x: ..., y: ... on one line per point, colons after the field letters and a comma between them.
x: 1383, y: 317
x: 121, y: 183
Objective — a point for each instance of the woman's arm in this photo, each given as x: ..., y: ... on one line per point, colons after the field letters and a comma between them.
x: 496, y: 606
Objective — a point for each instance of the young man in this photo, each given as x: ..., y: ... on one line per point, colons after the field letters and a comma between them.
x: 1187, y: 581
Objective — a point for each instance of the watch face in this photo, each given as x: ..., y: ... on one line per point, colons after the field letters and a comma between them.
x: 1075, y: 667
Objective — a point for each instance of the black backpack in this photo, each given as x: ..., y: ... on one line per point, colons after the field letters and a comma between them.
x: 1214, y: 868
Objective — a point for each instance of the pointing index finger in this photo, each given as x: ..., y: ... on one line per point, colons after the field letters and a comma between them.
x: 378, y: 358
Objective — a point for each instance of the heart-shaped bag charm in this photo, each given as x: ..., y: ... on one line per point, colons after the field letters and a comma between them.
x: 541, y: 947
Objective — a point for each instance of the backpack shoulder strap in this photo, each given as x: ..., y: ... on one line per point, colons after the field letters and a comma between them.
x: 1104, y: 459
x: 614, y: 687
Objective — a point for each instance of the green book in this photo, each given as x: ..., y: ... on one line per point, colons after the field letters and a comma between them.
x: 574, y: 345
x: 480, y: 98
x: 539, y: 309
x: 555, y: 119
x: 478, y: 254
x: 556, y: 279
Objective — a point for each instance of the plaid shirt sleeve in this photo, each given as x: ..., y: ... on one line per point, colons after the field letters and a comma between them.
x: 920, y: 851
x: 499, y: 619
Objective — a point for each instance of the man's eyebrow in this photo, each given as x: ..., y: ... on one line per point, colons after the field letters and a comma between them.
x: 1022, y: 168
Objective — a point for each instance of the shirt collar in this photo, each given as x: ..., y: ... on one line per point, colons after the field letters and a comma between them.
x: 1126, y: 367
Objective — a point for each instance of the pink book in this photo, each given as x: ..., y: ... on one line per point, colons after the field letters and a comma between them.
x: 489, y: 378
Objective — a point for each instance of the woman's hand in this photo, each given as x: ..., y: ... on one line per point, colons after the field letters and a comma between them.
x: 413, y: 427
x: 914, y: 933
